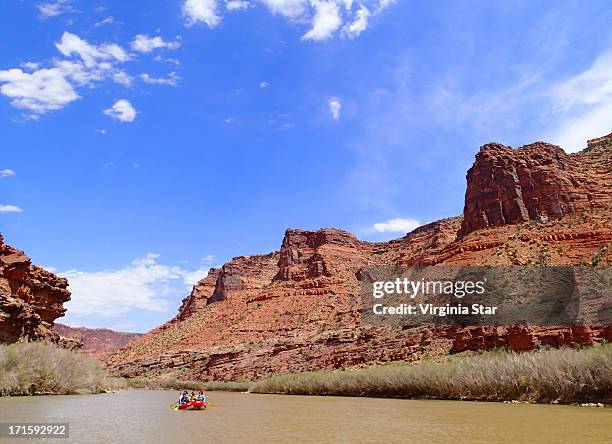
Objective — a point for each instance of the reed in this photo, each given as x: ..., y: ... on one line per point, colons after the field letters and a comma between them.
x: 177, y: 384
x: 555, y: 376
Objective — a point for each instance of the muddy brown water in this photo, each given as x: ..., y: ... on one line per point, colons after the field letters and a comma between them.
x: 140, y: 416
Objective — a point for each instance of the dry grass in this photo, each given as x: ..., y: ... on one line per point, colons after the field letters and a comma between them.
x: 40, y: 368
x: 176, y: 384
x: 562, y: 375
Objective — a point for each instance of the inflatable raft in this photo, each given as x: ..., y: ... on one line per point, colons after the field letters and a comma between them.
x: 192, y: 405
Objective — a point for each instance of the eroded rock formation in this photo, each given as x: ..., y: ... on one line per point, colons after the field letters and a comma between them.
x: 535, y: 182
x: 31, y: 299
x: 97, y: 342
x: 298, y: 308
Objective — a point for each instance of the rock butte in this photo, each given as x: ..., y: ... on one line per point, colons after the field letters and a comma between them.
x: 297, y: 309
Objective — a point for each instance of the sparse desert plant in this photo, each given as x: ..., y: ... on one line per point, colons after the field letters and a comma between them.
x: 558, y: 375
x: 178, y: 384
x: 42, y: 368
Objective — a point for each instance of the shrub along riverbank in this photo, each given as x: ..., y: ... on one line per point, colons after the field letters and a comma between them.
x: 37, y: 368
x: 556, y: 375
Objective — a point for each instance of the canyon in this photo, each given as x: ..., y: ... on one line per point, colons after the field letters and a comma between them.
x: 96, y: 342
x: 298, y: 308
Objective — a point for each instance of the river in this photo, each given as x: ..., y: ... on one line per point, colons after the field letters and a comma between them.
x: 140, y: 416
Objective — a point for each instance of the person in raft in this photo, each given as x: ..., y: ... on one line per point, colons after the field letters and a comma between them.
x: 183, y: 398
x: 201, y: 396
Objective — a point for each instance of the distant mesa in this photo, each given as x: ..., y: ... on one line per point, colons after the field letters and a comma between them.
x: 97, y: 342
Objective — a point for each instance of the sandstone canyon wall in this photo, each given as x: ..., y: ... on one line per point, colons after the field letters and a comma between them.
x: 96, y: 342
x: 31, y: 299
x: 298, y: 308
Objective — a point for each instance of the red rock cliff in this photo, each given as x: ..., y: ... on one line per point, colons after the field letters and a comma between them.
x: 298, y: 309
x: 31, y: 299
x: 535, y: 182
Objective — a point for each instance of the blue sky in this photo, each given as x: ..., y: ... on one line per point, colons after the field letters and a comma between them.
x: 143, y: 142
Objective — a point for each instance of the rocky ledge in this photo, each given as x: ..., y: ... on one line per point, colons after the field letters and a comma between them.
x: 31, y: 299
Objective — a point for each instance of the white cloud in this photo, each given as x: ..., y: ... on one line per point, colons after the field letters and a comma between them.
x: 143, y: 285
x: 397, y: 225
x: 209, y: 258
x: 358, y: 25
x: 288, y: 8
x: 334, y: 107
x: 237, y: 5
x: 201, y: 11
x: 106, y: 21
x: 325, y: 21
x: 30, y: 66
x: 41, y: 91
x: 144, y: 43
x: 170, y: 80
x: 122, y: 77
x: 91, y: 55
x: 7, y: 172
x: 122, y: 110
x: 384, y: 4
x: 324, y: 16
x: 583, y: 105
x: 263, y: 85
x: 55, y: 8
x: 10, y: 209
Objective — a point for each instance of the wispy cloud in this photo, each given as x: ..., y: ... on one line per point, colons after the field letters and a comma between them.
x: 334, y: 107
x: 397, y: 225
x: 172, y: 79
x: 358, y: 25
x: 10, y: 209
x: 106, y: 21
x: 237, y: 5
x: 144, y: 43
x: 54, y: 8
x: 7, y: 172
x: 583, y: 105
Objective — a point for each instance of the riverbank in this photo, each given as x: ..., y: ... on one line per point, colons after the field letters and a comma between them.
x: 176, y: 384
x: 545, y: 376
x: 565, y: 376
